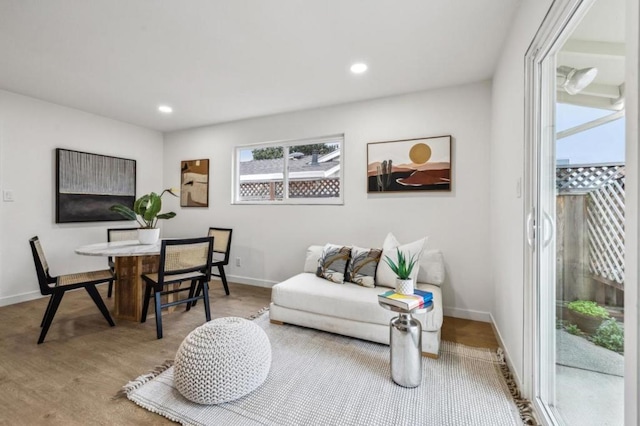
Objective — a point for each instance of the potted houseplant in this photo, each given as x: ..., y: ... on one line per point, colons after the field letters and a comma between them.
x: 146, y: 211
x: 587, y: 315
x: 402, y: 269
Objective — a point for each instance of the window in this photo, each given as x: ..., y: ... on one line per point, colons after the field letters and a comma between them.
x: 304, y: 171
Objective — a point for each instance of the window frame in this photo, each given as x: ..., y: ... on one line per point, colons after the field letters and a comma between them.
x: 286, y: 145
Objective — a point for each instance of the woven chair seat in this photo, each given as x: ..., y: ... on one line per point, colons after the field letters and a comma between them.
x: 83, y: 277
x: 222, y: 360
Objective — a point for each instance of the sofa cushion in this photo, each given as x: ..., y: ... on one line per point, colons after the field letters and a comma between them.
x: 384, y: 275
x: 362, y: 267
x: 333, y: 263
x: 307, y: 292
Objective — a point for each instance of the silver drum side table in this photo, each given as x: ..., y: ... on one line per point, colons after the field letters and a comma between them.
x: 405, y: 340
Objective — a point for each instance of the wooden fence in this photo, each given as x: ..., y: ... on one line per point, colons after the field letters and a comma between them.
x: 590, y: 233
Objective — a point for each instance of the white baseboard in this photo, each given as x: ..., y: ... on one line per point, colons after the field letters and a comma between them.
x: 251, y: 281
x: 507, y: 357
x: 467, y: 314
x: 23, y: 297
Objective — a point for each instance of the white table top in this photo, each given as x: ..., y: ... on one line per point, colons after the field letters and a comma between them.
x: 120, y: 248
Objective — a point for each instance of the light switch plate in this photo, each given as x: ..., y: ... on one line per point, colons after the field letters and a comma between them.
x: 7, y: 195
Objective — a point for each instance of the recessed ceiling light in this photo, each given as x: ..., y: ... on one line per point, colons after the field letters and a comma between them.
x: 358, y: 68
x: 165, y: 109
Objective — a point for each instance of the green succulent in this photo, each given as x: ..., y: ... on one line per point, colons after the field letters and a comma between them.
x: 589, y: 308
x: 609, y: 335
x: 146, y: 209
x: 572, y: 329
x: 404, y: 267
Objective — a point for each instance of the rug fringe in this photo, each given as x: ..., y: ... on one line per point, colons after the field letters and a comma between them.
x: 141, y: 380
x: 524, y: 405
x: 257, y: 314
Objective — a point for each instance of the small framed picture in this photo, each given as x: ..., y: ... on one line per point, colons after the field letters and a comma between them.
x: 409, y: 165
x: 194, y: 183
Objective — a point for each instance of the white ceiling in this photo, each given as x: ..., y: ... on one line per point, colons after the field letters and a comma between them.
x: 215, y: 60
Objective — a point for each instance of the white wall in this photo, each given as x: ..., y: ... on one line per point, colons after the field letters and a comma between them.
x: 271, y: 240
x: 507, y: 156
x: 30, y: 131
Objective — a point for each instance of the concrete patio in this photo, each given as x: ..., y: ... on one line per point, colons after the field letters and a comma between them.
x: 589, y: 382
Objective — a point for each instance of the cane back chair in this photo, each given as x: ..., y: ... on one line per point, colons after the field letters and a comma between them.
x: 180, y: 260
x: 57, y: 286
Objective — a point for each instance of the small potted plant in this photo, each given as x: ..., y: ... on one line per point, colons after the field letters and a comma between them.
x: 146, y: 211
x: 587, y: 315
x: 402, y: 269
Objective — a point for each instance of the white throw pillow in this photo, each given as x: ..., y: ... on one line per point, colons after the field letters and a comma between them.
x: 431, y: 268
x: 390, y: 242
x: 384, y: 275
x: 313, y: 256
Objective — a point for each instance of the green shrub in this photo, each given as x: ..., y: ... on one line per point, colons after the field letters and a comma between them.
x: 588, y: 307
x: 609, y: 335
x: 573, y: 329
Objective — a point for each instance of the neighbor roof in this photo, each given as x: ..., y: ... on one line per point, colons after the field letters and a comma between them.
x: 298, y: 169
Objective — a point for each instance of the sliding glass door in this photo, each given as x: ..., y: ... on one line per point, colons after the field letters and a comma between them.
x: 575, y: 224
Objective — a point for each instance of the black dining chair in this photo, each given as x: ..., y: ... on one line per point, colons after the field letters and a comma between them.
x: 118, y: 234
x: 180, y: 260
x: 57, y: 286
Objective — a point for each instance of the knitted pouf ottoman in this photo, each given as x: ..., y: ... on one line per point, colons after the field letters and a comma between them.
x: 222, y: 360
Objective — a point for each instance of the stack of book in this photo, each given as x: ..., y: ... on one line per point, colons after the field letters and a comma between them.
x: 418, y: 299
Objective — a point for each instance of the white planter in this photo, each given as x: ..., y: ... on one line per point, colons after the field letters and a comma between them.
x: 404, y: 286
x: 148, y: 236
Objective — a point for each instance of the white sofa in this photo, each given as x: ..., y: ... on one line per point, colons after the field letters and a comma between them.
x: 353, y: 310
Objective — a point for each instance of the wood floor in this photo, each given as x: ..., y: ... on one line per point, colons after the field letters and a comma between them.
x: 73, y: 377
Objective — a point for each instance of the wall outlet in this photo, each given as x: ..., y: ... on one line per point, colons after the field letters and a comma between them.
x: 238, y: 262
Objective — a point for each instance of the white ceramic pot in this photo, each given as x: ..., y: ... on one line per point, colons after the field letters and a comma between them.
x: 404, y: 286
x: 148, y: 236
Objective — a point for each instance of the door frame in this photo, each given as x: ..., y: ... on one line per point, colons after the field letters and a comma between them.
x: 632, y: 230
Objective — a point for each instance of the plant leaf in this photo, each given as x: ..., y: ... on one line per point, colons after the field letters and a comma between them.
x: 392, y: 265
x: 153, y: 207
x: 123, y: 211
x: 166, y: 215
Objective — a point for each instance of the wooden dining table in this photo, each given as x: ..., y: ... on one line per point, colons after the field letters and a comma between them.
x: 132, y: 259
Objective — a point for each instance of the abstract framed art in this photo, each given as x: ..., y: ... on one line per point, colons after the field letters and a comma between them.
x: 194, y: 183
x: 88, y: 184
x: 406, y: 165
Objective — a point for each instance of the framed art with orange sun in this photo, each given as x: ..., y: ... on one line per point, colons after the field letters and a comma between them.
x: 409, y: 165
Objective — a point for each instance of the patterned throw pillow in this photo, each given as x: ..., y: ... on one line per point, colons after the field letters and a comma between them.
x: 333, y: 263
x: 362, y: 266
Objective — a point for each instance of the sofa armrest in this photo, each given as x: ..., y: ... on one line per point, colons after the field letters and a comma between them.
x: 313, y: 256
x: 431, y: 267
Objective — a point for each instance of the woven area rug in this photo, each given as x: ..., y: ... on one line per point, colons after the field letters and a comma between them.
x: 319, y: 378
